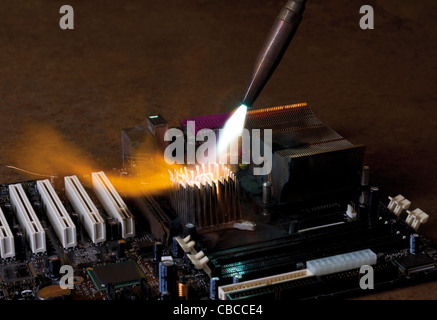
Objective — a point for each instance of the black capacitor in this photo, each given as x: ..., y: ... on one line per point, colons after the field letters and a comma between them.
x: 214, y: 283
x: 9, y: 213
x: 362, y: 211
x: 165, y: 296
x: 190, y: 230
x: 293, y: 227
x: 20, y: 244
x: 237, y: 278
x: 176, y: 249
x: 157, y: 251
x: 144, y: 288
x: 167, y: 276
x: 112, y: 232
x: 75, y: 217
x: 54, y: 266
x: 121, y: 249
x: 374, y: 203
x: 36, y: 204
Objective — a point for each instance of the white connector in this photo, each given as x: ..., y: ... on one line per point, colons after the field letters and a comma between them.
x: 351, y: 213
x: 199, y: 259
x: 89, y: 214
x: 398, y: 204
x: 266, y: 281
x: 58, y: 216
x: 113, y: 203
x: 341, y: 262
x: 7, y: 246
x: 30, y: 223
x: 416, y: 218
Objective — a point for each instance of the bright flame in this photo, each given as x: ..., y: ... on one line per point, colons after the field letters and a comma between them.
x: 232, y: 129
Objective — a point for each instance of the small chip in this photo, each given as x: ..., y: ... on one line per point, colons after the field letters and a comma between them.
x: 120, y: 274
x: 416, y: 263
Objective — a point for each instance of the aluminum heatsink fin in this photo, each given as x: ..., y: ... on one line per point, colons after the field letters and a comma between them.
x: 7, y: 246
x: 58, y: 216
x: 30, y: 223
x: 113, y: 203
x: 89, y: 214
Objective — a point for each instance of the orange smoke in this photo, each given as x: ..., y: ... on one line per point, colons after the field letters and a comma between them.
x: 43, y: 150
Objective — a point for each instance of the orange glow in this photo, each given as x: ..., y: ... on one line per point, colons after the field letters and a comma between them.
x: 44, y: 150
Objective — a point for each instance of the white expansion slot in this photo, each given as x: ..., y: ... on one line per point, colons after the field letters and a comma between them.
x: 7, y: 246
x: 342, y: 262
x: 58, y: 216
x: 89, y: 214
x: 30, y: 223
x: 113, y: 203
x: 284, y: 277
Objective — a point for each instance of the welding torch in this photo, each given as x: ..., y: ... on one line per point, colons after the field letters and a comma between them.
x: 274, y: 47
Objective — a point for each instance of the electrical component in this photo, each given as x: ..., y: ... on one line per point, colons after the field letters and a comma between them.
x: 199, y: 259
x: 113, y: 203
x: 416, y: 218
x: 398, y: 204
x: 120, y: 274
x: 7, y: 246
x: 266, y: 281
x: 206, y: 196
x: 58, y: 216
x: 82, y: 203
x: 33, y: 229
x: 341, y: 262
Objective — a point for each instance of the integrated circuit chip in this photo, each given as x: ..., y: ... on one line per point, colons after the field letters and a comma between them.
x: 120, y: 274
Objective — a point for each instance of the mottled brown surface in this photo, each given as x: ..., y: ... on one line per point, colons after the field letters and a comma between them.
x: 126, y: 59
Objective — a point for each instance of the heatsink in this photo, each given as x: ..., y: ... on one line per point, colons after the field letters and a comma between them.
x: 27, y: 218
x: 113, y: 203
x: 206, y: 196
x: 89, y: 214
x: 7, y: 247
x: 58, y: 216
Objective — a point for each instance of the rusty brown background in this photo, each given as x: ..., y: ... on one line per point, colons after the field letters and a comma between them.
x: 127, y: 59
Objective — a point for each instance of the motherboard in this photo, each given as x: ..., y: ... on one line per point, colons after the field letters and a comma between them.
x: 313, y: 228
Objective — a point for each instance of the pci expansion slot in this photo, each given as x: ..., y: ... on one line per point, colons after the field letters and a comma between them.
x: 58, y: 216
x: 113, y: 203
x: 89, y: 214
x: 27, y: 218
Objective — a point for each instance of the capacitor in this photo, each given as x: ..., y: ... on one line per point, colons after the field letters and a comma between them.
x: 167, y: 276
x: 267, y: 192
x: 112, y: 231
x: 190, y: 230
x: 121, y: 249
x: 176, y: 249
x: 157, y: 251
x: 182, y: 288
x: 75, y: 217
x: 213, y: 287
x: 373, y: 203
x: 414, y: 237
x: 20, y: 244
x: 54, y: 266
x: 165, y: 296
x: 293, y: 227
x: 237, y: 278
x: 9, y: 213
x: 362, y: 211
x: 144, y: 288
x: 37, y: 207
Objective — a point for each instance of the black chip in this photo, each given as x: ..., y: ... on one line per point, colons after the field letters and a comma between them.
x: 416, y: 262
x: 120, y: 274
